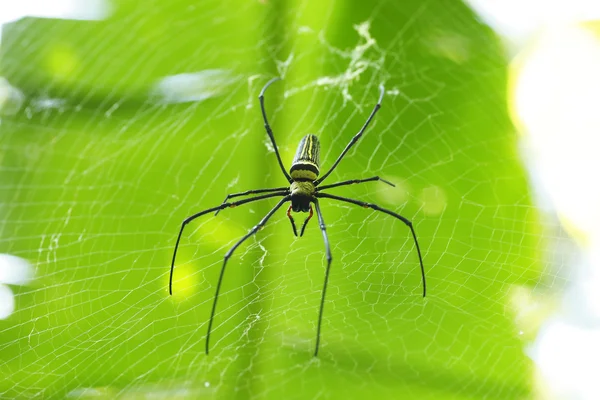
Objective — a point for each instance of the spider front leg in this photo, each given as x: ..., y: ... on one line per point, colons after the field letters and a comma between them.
x: 226, y: 258
x: 201, y: 213
x: 393, y: 214
x: 329, y: 258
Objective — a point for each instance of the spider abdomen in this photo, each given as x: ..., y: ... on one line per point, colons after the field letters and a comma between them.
x: 305, y: 165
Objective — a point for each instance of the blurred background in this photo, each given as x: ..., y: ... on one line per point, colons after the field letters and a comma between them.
x: 118, y: 119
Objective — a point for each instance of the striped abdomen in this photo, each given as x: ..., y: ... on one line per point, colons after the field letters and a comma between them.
x: 306, y: 161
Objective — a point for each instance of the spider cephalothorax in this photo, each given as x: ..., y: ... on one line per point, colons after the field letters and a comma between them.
x: 303, y: 191
x: 302, y: 194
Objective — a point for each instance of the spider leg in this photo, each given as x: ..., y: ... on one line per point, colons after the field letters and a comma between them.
x: 356, y: 137
x: 393, y: 214
x: 306, y: 221
x: 254, y: 191
x: 329, y: 258
x: 292, y: 220
x: 228, y: 255
x: 201, y: 213
x: 353, y: 181
x: 261, y: 98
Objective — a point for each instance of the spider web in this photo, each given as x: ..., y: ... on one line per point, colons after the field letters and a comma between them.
x: 130, y: 124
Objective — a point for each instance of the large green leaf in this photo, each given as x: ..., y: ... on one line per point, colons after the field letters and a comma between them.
x: 98, y: 173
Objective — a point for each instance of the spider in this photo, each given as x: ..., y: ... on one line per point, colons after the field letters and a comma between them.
x: 304, y: 190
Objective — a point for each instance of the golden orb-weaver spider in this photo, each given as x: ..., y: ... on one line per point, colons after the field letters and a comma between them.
x: 304, y: 189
